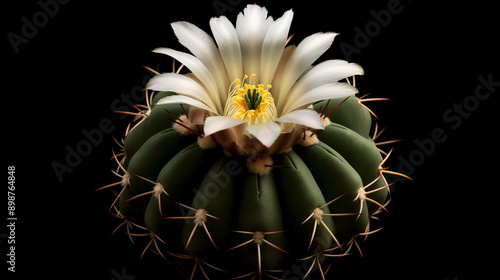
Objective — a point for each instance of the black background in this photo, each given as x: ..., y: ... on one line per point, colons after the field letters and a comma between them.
x: 428, y: 58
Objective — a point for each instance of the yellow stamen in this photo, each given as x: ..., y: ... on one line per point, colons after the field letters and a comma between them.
x: 251, y: 103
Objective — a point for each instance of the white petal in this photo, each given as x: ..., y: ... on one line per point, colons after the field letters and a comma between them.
x: 197, y: 67
x: 218, y: 123
x: 229, y: 46
x: 267, y: 133
x: 329, y: 71
x: 278, y: 75
x: 204, y: 48
x: 252, y: 26
x: 173, y: 99
x: 196, y: 115
x: 181, y: 85
x: 323, y: 92
x: 307, y: 117
x: 273, y: 46
x: 308, y: 51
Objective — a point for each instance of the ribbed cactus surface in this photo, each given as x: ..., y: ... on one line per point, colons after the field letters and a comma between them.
x: 229, y: 218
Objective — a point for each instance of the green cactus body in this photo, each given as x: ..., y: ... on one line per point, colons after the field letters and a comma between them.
x: 228, y: 178
x: 314, y: 200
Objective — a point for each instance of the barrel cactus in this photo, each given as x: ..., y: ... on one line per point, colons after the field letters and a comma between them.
x: 255, y: 159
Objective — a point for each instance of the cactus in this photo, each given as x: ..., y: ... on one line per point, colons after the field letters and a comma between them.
x: 252, y: 187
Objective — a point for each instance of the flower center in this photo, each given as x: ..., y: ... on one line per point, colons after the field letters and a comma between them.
x: 251, y: 103
x: 253, y: 98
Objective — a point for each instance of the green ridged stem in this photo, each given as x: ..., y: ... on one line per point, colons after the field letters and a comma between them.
x: 180, y: 178
x: 350, y: 114
x: 260, y: 211
x: 340, y: 182
x: 147, y: 162
x: 216, y: 196
x: 362, y: 155
x: 314, y: 198
x: 158, y: 120
x: 300, y: 196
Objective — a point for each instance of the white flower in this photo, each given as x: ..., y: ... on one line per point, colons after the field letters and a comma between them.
x: 247, y: 85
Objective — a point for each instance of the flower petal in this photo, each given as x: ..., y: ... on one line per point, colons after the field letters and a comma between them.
x: 198, y: 68
x: 308, y: 51
x: 172, y: 99
x: 252, y: 26
x: 203, y: 47
x: 217, y: 123
x: 229, y: 47
x: 306, y: 117
x: 273, y: 46
x: 323, y: 92
x: 181, y: 85
x: 278, y: 75
x: 267, y: 133
x: 329, y: 71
